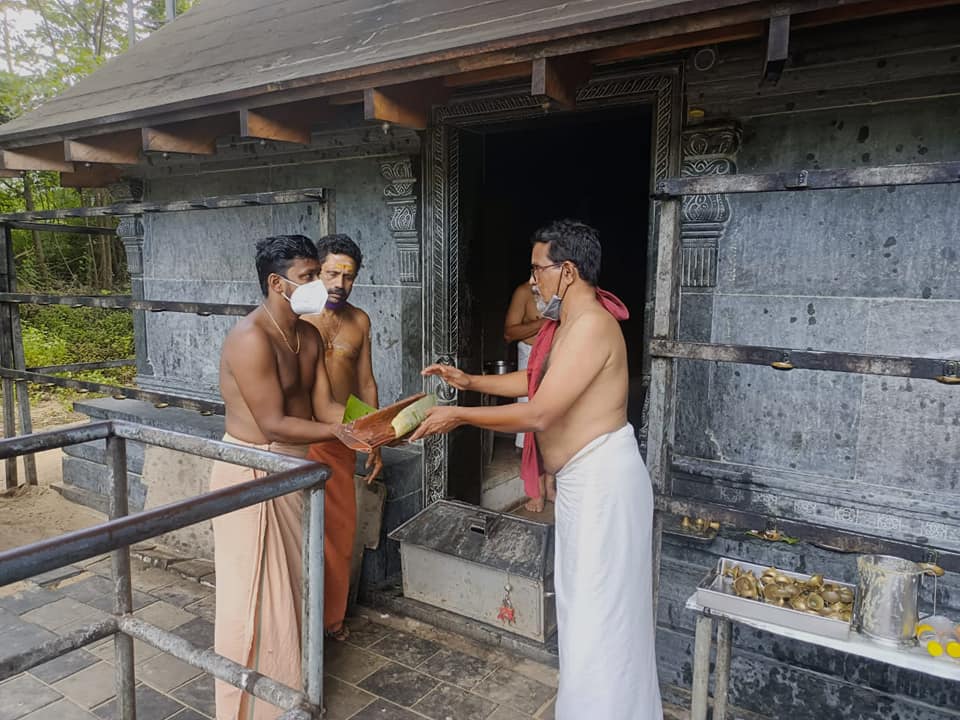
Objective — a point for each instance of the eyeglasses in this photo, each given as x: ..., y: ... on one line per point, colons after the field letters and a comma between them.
x: 536, y: 269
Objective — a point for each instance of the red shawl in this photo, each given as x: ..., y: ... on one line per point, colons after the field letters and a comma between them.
x: 531, y: 466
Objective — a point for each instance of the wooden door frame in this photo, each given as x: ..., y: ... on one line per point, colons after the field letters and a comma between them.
x: 443, y: 320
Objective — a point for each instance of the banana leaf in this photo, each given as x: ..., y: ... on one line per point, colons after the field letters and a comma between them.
x: 356, y: 409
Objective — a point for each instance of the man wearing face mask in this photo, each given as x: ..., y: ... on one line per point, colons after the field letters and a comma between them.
x: 577, y: 417
x: 345, y: 332
x: 277, y: 397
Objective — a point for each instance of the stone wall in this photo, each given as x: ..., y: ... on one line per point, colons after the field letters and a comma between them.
x: 207, y: 256
x: 863, y: 271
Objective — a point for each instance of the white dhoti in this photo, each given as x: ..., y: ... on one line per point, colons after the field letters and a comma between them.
x: 604, y: 519
x: 523, y: 358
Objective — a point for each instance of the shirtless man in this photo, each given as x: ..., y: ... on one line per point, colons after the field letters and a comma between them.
x: 522, y: 323
x: 277, y: 397
x: 345, y: 331
x: 604, y: 506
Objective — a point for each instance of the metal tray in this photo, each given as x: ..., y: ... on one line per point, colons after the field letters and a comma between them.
x: 716, y: 593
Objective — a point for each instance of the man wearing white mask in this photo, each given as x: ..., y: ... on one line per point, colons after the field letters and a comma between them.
x: 277, y: 396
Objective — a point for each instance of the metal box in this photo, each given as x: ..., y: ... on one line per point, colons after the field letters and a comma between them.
x: 485, y: 565
x: 716, y: 593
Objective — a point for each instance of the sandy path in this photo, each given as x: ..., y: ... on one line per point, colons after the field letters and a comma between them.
x: 28, y: 514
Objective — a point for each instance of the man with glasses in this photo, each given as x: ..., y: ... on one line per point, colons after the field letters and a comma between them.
x: 577, y: 414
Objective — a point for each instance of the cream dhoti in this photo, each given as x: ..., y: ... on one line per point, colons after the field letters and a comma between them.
x: 604, y: 518
x: 523, y: 359
x: 258, y: 553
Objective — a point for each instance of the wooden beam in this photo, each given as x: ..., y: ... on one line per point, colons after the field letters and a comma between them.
x: 192, y: 137
x: 350, y: 98
x: 291, y: 122
x: 514, y: 71
x: 122, y: 148
x: 36, y: 157
x: 406, y: 105
x: 94, y: 176
x: 10, y: 173
x: 558, y: 78
x: 778, y: 49
x: 662, y: 45
x: 857, y: 11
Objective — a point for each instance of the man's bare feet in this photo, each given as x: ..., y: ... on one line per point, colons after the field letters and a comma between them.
x: 534, y: 505
x: 551, y: 484
x: 339, y: 635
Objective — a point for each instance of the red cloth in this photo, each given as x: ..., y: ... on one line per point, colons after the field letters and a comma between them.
x: 531, y: 464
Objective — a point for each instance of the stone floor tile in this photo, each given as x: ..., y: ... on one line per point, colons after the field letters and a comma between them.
x: 61, y: 710
x: 61, y: 612
x: 198, y: 694
x: 341, y: 700
x: 404, y: 648
x: 80, y: 623
x: 446, y: 701
x: 151, y: 705
x: 103, y: 567
x: 164, y: 615
x: 350, y: 663
x: 398, y: 684
x: 189, y: 714
x: 164, y: 672
x: 181, y: 592
x: 516, y: 691
x: 205, y: 607
x: 64, y: 666
x: 148, y: 578
x: 22, y: 695
x: 89, y: 687
x: 97, y: 592
x: 141, y: 651
x: 364, y: 633
x: 28, y: 599
x: 56, y: 575
x: 457, y: 668
x: 383, y: 710
x: 196, y: 569
x: 199, y: 631
x: 92, y: 561
x: 505, y: 713
x: 19, y: 634
x: 549, y: 712
x: 540, y: 672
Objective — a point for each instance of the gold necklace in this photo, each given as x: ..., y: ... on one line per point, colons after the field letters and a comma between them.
x: 282, y: 334
x: 329, y: 343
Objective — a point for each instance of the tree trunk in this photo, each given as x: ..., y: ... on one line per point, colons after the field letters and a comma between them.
x: 30, y: 204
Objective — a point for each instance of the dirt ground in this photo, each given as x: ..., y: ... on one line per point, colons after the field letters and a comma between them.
x: 28, y: 514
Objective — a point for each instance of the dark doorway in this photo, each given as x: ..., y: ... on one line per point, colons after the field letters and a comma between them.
x: 516, y: 177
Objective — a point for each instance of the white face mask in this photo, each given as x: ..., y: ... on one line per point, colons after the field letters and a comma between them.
x: 308, y: 299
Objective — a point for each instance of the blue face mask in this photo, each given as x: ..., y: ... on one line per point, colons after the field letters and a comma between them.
x: 550, y: 309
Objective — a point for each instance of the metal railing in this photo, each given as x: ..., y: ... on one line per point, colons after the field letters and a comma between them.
x: 288, y: 474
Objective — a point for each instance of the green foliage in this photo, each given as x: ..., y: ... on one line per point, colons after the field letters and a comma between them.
x: 59, y: 334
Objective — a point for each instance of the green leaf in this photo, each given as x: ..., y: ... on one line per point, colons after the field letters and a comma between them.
x: 356, y: 409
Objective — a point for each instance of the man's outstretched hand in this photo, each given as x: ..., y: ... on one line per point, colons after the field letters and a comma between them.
x: 449, y: 374
x: 374, y: 465
x: 440, y: 419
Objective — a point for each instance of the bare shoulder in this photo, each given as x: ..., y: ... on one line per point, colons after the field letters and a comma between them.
x: 246, y: 338
x: 359, y: 317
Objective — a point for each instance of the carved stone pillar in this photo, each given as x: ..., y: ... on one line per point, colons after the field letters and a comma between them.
x: 707, y: 150
x: 130, y: 232
x: 402, y: 201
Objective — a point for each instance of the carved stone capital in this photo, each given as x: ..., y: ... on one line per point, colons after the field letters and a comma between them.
x: 707, y: 150
x: 402, y: 202
x: 707, y: 140
x: 127, y: 190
